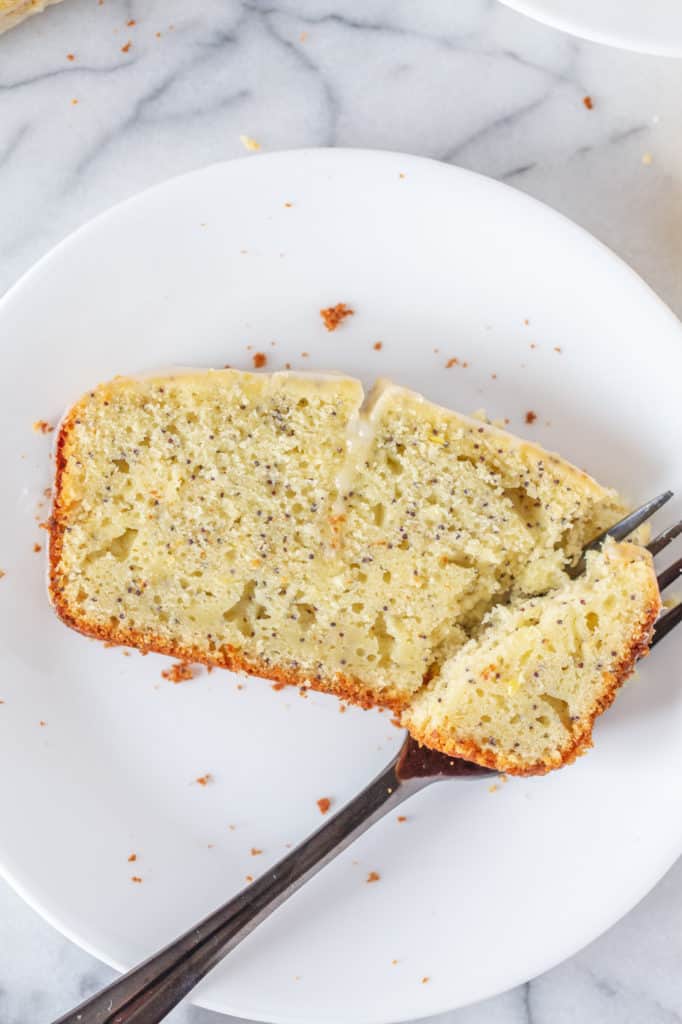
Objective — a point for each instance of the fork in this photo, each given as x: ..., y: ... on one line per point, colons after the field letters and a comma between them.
x: 148, y: 992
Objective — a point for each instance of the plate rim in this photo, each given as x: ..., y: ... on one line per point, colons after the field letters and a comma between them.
x: 80, y: 233
x: 620, y: 41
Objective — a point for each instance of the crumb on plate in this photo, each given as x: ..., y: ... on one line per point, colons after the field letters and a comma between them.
x: 259, y: 360
x: 126, y: 47
x: 332, y: 316
x: 179, y: 673
x: 255, y: 851
x: 454, y: 361
x: 378, y: 345
x: 324, y: 803
x: 531, y: 416
x: 373, y: 876
x: 249, y: 143
x: 42, y: 427
x: 132, y: 858
x: 588, y: 102
x: 204, y: 780
x: 135, y: 878
x: 37, y: 548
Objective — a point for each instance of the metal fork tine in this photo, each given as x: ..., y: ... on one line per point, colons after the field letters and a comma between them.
x: 664, y: 538
x: 666, y: 623
x: 669, y: 575
x: 623, y: 528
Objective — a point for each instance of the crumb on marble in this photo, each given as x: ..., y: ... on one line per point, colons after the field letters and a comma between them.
x: 332, y: 316
x: 249, y: 143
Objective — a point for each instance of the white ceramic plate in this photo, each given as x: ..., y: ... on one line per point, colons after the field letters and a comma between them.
x: 478, y: 890
x: 654, y: 26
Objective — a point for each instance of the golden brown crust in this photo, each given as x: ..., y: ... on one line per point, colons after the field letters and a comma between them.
x: 580, y: 741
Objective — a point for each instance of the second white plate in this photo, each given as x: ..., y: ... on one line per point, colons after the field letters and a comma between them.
x: 652, y: 27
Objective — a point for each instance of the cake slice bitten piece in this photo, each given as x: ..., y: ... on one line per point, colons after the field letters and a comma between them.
x: 522, y: 696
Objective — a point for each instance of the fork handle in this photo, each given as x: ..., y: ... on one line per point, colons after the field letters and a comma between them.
x: 147, y: 993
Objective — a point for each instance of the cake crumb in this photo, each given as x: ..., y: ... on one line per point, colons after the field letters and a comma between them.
x: 249, y: 878
x: 342, y: 709
x: 452, y: 362
x: 279, y: 686
x: 401, y: 175
x: 647, y: 159
x: 304, y: 355
x: 132, y: 858
x: 378, y: 345
x: 393, y: 963
x: 531, y: 416
x: 37, y: 548
x: 425, y: 979
x: 204, y: 780
x: 42, y: 427
x: 249, y: 143
x: 303, y: 37
x: 42, y: 723
x: 126, y: 47
x: 526, y: 323
x: 131, y: 23
x: 2, y: 573
x: 588, y: 102
x: 557, y: 348
x: 332, y: 316
x: 493, y: 788
x: 324, y: 803
x: 71, y: 56
x: 255, y: 852
x: 373, y: 876
x: 181, y: 672
x: 74, y: 102
x: 135, y: 878
x: 402, y: 817
x: 259, y: 360
x: 288, y: 205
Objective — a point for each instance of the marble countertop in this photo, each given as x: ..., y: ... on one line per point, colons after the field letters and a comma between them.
x: 465, y: 81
